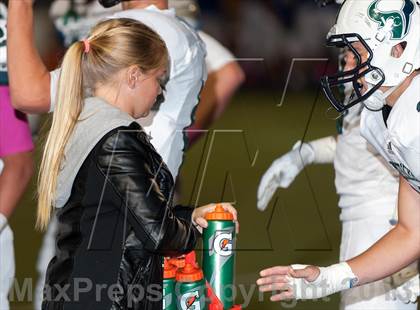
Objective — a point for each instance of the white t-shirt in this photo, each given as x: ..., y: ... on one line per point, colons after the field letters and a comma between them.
x: 363, y: 178
x: 187, y: 76
x: 217, y: 55
x: 398, y: 138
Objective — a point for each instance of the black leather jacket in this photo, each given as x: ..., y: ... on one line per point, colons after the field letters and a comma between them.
x: 116, y: 227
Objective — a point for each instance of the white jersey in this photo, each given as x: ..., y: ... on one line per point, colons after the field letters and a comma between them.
x: 397, y: 139
x: 187, y: 76
x: 217, y: 55
x: 363, y: 178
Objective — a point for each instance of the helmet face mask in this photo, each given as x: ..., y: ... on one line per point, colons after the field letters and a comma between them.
x: 382, y: 27
x: 352, y: 77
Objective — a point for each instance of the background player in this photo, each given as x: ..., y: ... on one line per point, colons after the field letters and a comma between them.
x: 73, y: 19
x: 385, y: 41
x: 16, y: 166
x: 225, y: 75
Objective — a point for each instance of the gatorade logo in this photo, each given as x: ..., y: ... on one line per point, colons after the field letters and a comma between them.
x: 223, y: 244
x: 191, y: 301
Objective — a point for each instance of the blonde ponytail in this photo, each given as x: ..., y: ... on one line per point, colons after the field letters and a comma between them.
x: 113, y: 45
x: 70, y: 103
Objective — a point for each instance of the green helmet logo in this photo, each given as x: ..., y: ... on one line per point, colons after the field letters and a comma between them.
x: 401, y: 19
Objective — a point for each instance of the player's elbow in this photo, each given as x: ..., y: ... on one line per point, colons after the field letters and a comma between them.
x: 28, y: 101
x: 411, y: 234
x: 17, y: 101
x: 236, y: 74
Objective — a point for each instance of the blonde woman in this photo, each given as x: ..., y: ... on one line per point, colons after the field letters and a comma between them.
x: 112, y: 191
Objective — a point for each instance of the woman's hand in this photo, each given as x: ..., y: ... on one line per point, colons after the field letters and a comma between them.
x: 198, y: 215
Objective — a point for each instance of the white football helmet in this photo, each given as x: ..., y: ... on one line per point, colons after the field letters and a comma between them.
x: 378, y: 25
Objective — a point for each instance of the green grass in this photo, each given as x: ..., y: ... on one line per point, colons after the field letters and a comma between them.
x: 300, y: 226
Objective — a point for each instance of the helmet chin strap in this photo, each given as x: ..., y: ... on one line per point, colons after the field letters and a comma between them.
x: 377, y: 100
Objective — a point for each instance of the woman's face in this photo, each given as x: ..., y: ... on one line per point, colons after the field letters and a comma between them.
x: 148, y: 87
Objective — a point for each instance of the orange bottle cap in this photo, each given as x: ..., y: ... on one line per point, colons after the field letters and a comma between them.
x: 189, y: 274
x: 169, y: 270
x: 179, y: 262
x: 219, y: 214
x: 191, y: 258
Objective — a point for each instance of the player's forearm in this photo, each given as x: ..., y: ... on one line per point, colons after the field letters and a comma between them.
x: 228, y: 79
x: 29, y: 78
x: 204, y: 115
x: 393, y: 252
x: 398, y: 248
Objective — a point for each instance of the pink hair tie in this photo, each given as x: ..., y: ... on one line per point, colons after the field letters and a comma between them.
x: 87, y: 45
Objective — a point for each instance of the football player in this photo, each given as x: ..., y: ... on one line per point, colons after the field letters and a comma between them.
x: 367, y: 187
x: 384, y: 39
x: 73, y: 19
x: 225, y: 75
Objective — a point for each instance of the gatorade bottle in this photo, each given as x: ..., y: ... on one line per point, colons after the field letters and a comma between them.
x: 218, y: 254
x: 169, y: 296
x: 190, y: 288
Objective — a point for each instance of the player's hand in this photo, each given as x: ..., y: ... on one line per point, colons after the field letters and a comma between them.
x: 283, y: 171
x: 198, y: 216
x: 276, y: 279
x: 284, y: 279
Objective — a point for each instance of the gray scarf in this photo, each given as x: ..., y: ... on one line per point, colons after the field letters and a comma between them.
x: 96, y: 120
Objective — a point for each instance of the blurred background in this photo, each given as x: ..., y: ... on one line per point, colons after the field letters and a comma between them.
x: 280, y: 46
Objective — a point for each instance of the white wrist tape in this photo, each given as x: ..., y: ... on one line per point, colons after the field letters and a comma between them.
x: 331, y: 279
x: 324, y: 150
x: 3, y: 222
